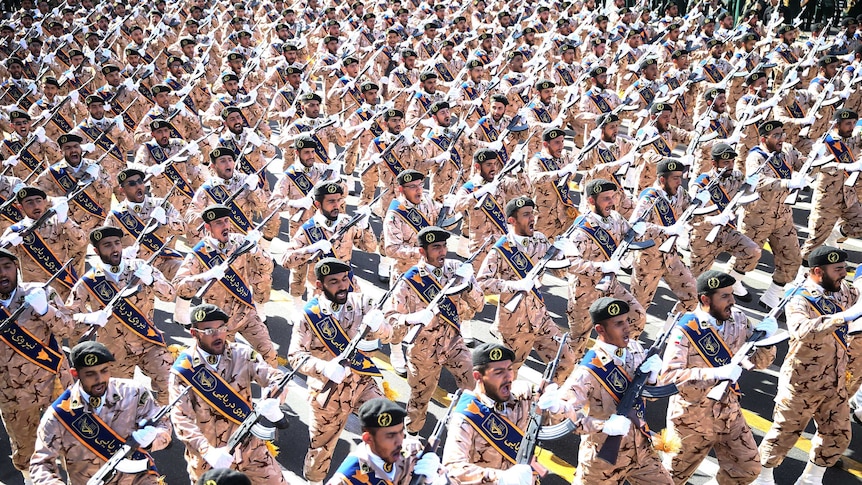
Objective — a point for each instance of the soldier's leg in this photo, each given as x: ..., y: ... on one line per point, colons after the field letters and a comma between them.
x: 736, y: 450
x: 459, y: 362
x: 21, y: 420
x: 833, y: 429
x: 637, y: 314
x: 648, y: 470
x: 259, y: 464
x: 423, y: 374
x: 546, y: 346
x: 156, y: 363
x: 578, y: 315
x: 746, y: 253
x: 592, y: 469
x: 297, y: 281
x: 369, y: 181
x: 789, y: 418
x: 824, y: 214
x: 697, y: 438
x: 681, y: 282
x: 703, y: 253
x: 257, y: 334
x: 169, y: 266
x: 785, y: 247
x: 851, y: 221
x: 648, y: 270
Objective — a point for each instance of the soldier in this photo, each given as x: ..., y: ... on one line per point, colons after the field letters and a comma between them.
x: 337, y: 387
x: 323, y: 131
x: 769, y: 218
x: 426, y: 97
x: 61, y: 121
x: 438, y: 146
x: 697, y: 358
x: 131, y: 333
x: 438, y: 343
x: 598, y: 99
x: 220, y: 374
x: 249, y: 148
x: 90, y: 420
x: 813, y: 381
x: 668, y: 136
x: 403, y: 77
x: 590, y: 401
x: 504, y: 272
x: 106, y: 135
x: 242, y: 285
x: 381, y: 455
x: 29, y: 379
x: 120, y: 96
x: 137, y: 213
x: 472, y: 454
x: 549, y: 173
x: 605, y: 159
x: 365, y: 125
x: 49, y: 245
x: 183, y: 123
x: 19, y: 147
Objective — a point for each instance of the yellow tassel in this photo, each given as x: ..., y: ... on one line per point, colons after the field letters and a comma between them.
x: 667, y: 442
x: 162, y: 480
x: 175, y: 350
x: 282, y: 361
x: 849, y: 376
x: 273, y: 450
x: 388, y: 392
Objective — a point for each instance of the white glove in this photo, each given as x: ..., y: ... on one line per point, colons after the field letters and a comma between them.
x: 335, y: 371
x: 769, y: 103
x: 702, y: 197
x: 808, y: 120
x: 652, y: 366
x: 145, y: 274
x: 617, y: 425
x: 422, y: 316
x: 253, y: 236
x: 219, y: 457
x: 409, y: 139
x: 99, y: 318
x: 567, y: 169
x: 752, y: 179
x: 639, y: 228
x: 797, y: 182
x: 131, y: 252
x: 610, y: 267
x: 38, y: 300
x: 552, y: 399
x: 373, y: 320
x: 428, y: 466
x: 88, y: 147
x: 253, y: 138
x: 485, y: 189
x: 93, y: 170
x: 251, y: 181
x: 465, y: 271
x: 675, y: 230
x: 215, y: 273
x: 40, y: 134
x: 734, y: 138
x: 156, y: 170
x: 768, y: 325
x: 324, y: 246
x: 365, y: 212
x: 852, y: 167
x: 145, y: 436
x: 290, y: 112
x: 449, y: 200
x: 303, y: 203
x: 727, y: 372
x: 523, y: 284
x: 496, y: 146
x: 720, y: 219
x: 269, y: 409
x: 12, y: 239
x: 193, y: 148
x: 12, y: 161
x: 383, y: 81
x: 564, y: 245
x: 119, y: 123
x: 159, y: 215
x: 517, y: 475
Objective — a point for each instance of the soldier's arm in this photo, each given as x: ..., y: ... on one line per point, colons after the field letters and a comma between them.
x: 50, y: 150
x: 399, y: 304
x: 187, y: 280
x: 675, y: 366
x: 300, y: 347
x: 176, y: 225
x: 43, y: 463
x: 763, y: 356
x: 75, y: 238
x: 162, y: 287
x: 183, y: 418
x: 580, y: 265
x: 801, y: 321
x: 579, y: 386
x: 148, y: 408
x: 58, y: 318
x: 394, y: 245
x: 464, y: 200
x: 490, y: 276
x: 768, y: 181
x: 365, y: 239
x: 457, y: 455
x: 262, y: 265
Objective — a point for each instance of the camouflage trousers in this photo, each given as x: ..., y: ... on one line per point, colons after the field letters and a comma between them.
x: 650, y: 266
x: 582, y: 294
x: 253, y: 459
x: 530, y: 327
x: 256, y: 333
x: 637, y: 463
x: 327, y: 422
x: 21, y: 423
x: 154, y: 360
x: 745, y: 252
x: 775, y: 226
x: 829, y: 208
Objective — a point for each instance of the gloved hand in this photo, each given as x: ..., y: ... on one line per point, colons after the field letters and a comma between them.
x: 335, y: 371
x: 253, y: 138
x: 61, y: 208
x: 465, y: 271
x: 219, y: 457
x: 324, y: 246
x: 611, y: 266
x: 769, y: 103
x: 796, y: 182
x: 12, y: 239
x: 727, y: 372
x: 12, y: 161
x: 88, y: 147
x: 676, y: 229
x: 617, y: 425
x: 409, y: 139
x: 131, y: 252
x: 373, y: 319
x: 215, y: 273
x: 303, y: 203
x: 119, y: 123
x: 523, y: 284
x: 269, y: 409
x: 639, y: 228
x: 651, y: 366
x: 733, y: 139
x: 290, y: 112
x: 768, y: 325
x: 485, y: 189
x: 159, y: 215
x: 564, y: 245
x: 145, y: 274
x: 365, y: 212
x: 99, y: 318
x: 93, y: 170
x: 428, y: 466
x: 40, y: 134
x: 251, y: 181
x: 383, y: 81
x: 496, y: 146
x: 752, y: 179
x: 38, y: 300
x: 567, y: 169
x: 517, y: 475
x: 193, y: 149
x: 422, y: 316
x: 719, y: 220
x: 156, y: 170
x: 808, y: 120
x: 552, y: 399
x: 253, y: 236
x: 702, y: 197
x: 449, y: 200
x: 145, y: 436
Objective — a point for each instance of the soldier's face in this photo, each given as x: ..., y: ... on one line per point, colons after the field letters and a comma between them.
x: 773, y: 140
x: 615, y: 331
x: 670, y: 182
x: 395, y: 125
x: 430, y: 85
x: 412, y: 191
x: 545, y: 95
x: 72, y: 153
x: 335, y: 287
x: 234, y: 123
x: 523, y: 221
x: 224, y: 166
x: 370, y: 97
x: 21, y: 126
x: 133, y: 188
x: 651, y: 72
x: 443, y: 118
x: 306, y: 157
x: 113, y: 78
x: 176, y: 69
x: 682, y: 62
x: 609, y: 131
x: 50, y: 90
x: 724, y: 164
x: 110, y: 250
x: 830, y: 276
x: 33, y: 206
x: 829, y: 70
x: 8, y: 276
x: 719, y: 304
x: 555, y: 146
x: 97, y: 110
x: 220, y: 229
x: 162, y: 136
x: 434, y: 253
x: 232, y: 87
x: 488, y: 169
x: 498, y: 109
x: 94, y: 380
x: 604, y: 203
x: 497, y: 380
x: 162, y: 99
x: 16, y: 71
x: 601, y: 81
x: 845, y: 127
x: 215, y: 343
x: 330, y: 206
x: 311, y: 108
x: 294, y: 79
x: 720, y: 104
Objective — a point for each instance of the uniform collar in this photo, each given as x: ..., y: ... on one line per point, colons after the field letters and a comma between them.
x: 618, y: 354
x: 7, y: 303
x: 382, y: 465
x: 113, y: 272
x: 705, y: 319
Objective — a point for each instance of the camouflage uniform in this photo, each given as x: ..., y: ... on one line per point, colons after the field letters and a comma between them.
x: 116, y: 159
x: 403, y: 468
x: 411, y: 157
x: 602, y: 162
x: 42, y: 152
x: 99, y: 191
x: 399, y: 237
x: 191, y: 171
x: 558, y: 207
x: 452, y: 170
x: 249, y: 201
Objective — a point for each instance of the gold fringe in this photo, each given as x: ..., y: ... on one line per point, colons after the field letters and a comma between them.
x: 162, y: 480
x: 273, y: 450
x: 848, y: 376
x: 175, y: 350
x: 282, y: 361
x: 388, y: 392
x: 667, y: 442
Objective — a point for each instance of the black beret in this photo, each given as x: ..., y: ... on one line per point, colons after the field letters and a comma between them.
x: 69, y: 138
x: 708, y: 21
x: 485, y: 35
x: 657, y: 108
x: 402, y: 10
x: 207, y: 312
x: 515, y: 54
x: 18, y: 115
x: 223, y: 476
x: 75, y: 52
x: 89, y: 354
x: 597, y: 186
x: 826, y: 255
x: 131, y: 51
x: 51, y: 80
x: 484, y: 154
x: 305, y: 141
x: 309, y: 97
x: 369, y: 16
x: 229, y: 77
x: 597, y: 41
x: 713, y: 93
x: 826, y: 60
x: 766, y: 127
x: 650, y: 61
x: 186, y: 41
x: 292, y: 70
x: 606, y: 308
x: 500, y: 98
x: 409, y: 175
x: 474, y: 63
x: 848, y: 21
x: 229, y: 110
x: 369, y: 86
x: 785, y: 29
x: 543, y: 8
x: 545, y: 84
x: 408, y: 53
x: 502, y: 14
x: 243, y: 33
x: 235, y: 56
x: 439, y: 105
x: 723, y: 151
x: 289, y: 48
x: 845, y: 114
x: 432, y: 25
x: 427, y: 75
x: 348, y: 61
x: 713, y: 42
x: 753, y: 77
x: 447, y: 43
x: 94, y: 99
x: 567, y: 47
x: 381, y: 413
x: 109, y: 68
x: 221, y: 152
x: 6, y: 254
x: 668, y: 165
x: 673, y: 26
x: 712, y: 280
x: 160, y: 88
x: 750, y: 36
x: 606, y: 119
x: 159, y: 123
x: 392, y: 113
x: 128, y: 172
x: 173, y: 59
x: 517, y: 203
x: 598, y: 71
x: 100, y: 233
x: 215, y: 211
x: 29, y: 191
x: 328, y: 266
x: 330, y: 38
x: 431, y: 235
x: 529, y: 30
x: 552, y: 133
x: 324, y: 188
x: 491, y: 352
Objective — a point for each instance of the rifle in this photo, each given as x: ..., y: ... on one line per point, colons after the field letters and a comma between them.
x: 814, y: 159
x: 245, y: 247
x: 757, y: 339
x: 239, y: 191
x: 375, y: 159
x: 450, y: 288
x: 341, y: 232
x: 452, y: 144
x: 689, y: 212
x: 246, y: 428
x: 818, y: 104
x: 176, y: 156
x: 434, y: 439
x: 18, y: 311
x: 106, y: 472
x: 747, y: 193
x: 534, y: 423
x: 628, y: 243
x: 638, y: 388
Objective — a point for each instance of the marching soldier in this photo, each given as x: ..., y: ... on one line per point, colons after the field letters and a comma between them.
x: 85, y: 426
x: 120, y: 96
x: 61, y: 114
x: 107, y: 135
x: 549, y: 173
x: 182, y: 123
x: 323, y: 131
x: 654, y: 152
x: 249, y: 148
x: 605, y: 159
x: 240, y: 286
x: 698, y: 357
x: 438, y: 146
x: 220, y: 374
x: 337, y: 387
x: 35, y: 154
